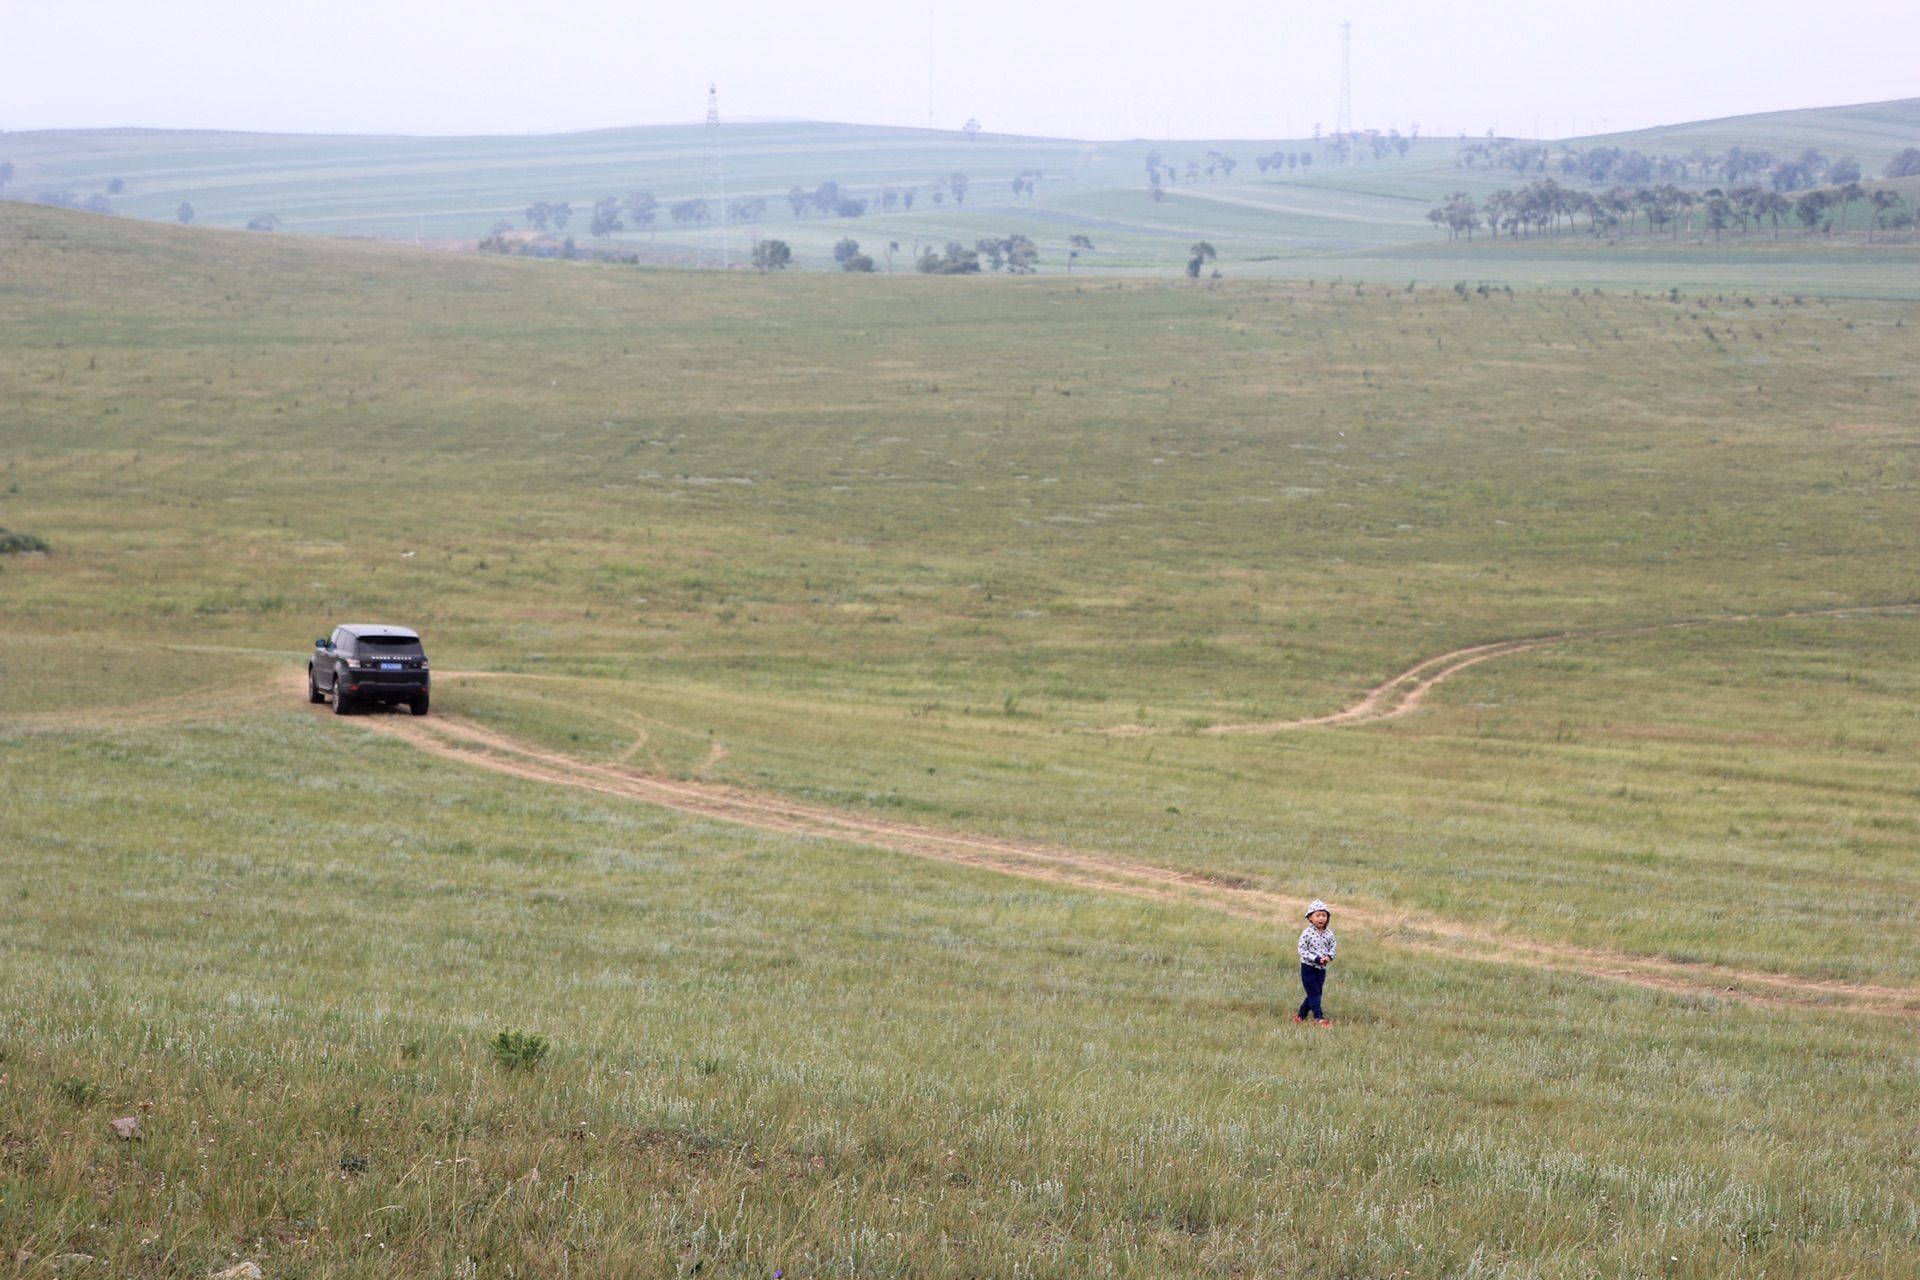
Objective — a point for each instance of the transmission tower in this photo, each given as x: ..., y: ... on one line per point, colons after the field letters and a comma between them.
x: 716, y: 173
x: 1343, y: 119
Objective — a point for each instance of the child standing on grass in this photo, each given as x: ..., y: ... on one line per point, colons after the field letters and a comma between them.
x: 1316, y: 953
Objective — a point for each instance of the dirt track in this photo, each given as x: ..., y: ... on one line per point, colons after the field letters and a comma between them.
x: 1405, y: 692
x: 460, y: 740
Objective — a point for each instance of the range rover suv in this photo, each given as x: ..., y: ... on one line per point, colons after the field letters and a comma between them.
x: 364, y: 663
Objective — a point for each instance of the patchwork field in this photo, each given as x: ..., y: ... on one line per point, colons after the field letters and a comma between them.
x: 885, y: 733
x: 1315, y: 220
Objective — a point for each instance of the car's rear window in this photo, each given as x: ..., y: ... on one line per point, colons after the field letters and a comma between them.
x: 390, y: 642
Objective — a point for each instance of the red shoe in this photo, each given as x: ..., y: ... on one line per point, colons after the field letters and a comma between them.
x: 1323, y: 1022
x: 1299, y: 1017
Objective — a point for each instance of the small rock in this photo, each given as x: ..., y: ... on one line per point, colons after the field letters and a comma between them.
x: 127, y: 1127
x: 239, y: 1271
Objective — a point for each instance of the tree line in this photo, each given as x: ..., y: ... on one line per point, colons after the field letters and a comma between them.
x: 1603, y: 165
x: 1544, y: 207
x: 1015, y: 254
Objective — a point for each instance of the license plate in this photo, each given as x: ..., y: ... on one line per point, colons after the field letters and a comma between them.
x: 393, y: 666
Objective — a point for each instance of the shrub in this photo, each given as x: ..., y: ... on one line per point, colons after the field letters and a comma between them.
x: 15, y: 543
x: 80, y: 1091
x: 518, y: 1050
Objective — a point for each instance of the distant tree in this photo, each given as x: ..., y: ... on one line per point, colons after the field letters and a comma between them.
x: 643, y: 208
x: 957, y: 183
x: 906, y: 198
x: 957, y: 260
x: 1082, y: 243
x: 1906, y: 164
x: 501, y: 227
x: 1202, y: 254
x: 771, y: 255
x: 1809, y: 207
x: 972, y: 129
x: 184, y: 213
x: 1025, y: 181
x: 799, y: 198
x: 538, y: 213
x: 749, y: 210
x: 97, y: 203
x: 893, y: 247
x: 1846, y: 194
x: 1844, y: 170
x: 826, y: 196
x: 848, y: 207
x: 1884, y: 201
x: 1791, y: 175
x: 1719, y: 213
x: 691, y: 210
x: 58, y: 197
x: 264, y: 222
x: 888, y: 199
x: 1400, y: 144
x: 561, y: 214
x: 845, y: 249
x: 115, y: 186
x: 1771, y: 205
x: 606, y: 216
x: 1193, y: 171
x: 1015, y: 253
x: 1459, y: 216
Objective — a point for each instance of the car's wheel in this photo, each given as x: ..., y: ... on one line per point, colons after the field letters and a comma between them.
x: 342, y: 704
x: 419, y: 705
x: 313, y: 690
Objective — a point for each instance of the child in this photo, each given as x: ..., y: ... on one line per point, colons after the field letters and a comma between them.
x: 1316, y: 953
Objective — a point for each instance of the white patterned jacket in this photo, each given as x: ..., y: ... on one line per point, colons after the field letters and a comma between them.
x: 1316, y: 944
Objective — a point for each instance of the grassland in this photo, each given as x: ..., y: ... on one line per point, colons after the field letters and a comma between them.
x: 908, y: 548
x: 1364, y: 220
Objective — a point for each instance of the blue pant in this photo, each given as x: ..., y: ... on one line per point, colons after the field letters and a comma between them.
x: 1313, y: 978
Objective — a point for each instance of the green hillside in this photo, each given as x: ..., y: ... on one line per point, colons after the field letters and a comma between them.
x: 828, y: 766
x: 1364, y: 219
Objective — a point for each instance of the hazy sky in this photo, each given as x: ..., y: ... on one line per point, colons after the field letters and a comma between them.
x: 1121, y: 69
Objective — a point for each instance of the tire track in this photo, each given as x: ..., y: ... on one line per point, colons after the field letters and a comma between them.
x: 1403, y: 694
x: 462, y: 741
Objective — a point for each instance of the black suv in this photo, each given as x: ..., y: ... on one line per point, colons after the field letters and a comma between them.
x: 368, y: 663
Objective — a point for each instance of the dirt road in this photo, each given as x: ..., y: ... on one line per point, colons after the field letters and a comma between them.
x: 1405, y: 692
x: 456, y: 739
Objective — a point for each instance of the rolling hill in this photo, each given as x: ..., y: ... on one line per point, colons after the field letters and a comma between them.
x: 1319, y: 219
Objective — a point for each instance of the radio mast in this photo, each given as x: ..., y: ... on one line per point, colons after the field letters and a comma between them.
x: 716, y: 174
x: 1343, y: 119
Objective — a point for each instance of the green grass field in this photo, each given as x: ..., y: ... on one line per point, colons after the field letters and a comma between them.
x: 1364, y: 220
x: 912, y: 549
